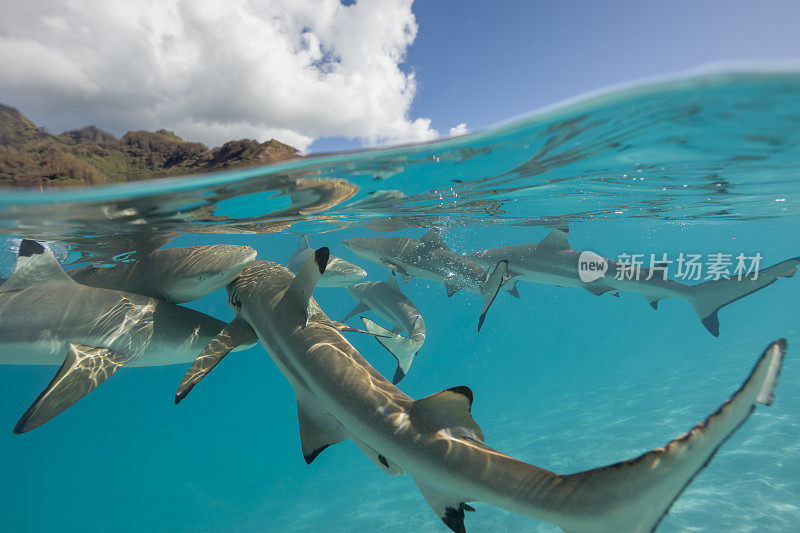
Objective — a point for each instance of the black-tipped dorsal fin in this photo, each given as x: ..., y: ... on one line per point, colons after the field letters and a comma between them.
x: 448, y: 409
x: 432, y: 240
x: 84, y: 368
x: 449, y: 507
x: 302, y: 286
x: 318, y: 429
x: 35, y: 264
x: 555, y: 240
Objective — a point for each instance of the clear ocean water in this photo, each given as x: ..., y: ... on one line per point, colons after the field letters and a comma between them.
x: 562, y: 379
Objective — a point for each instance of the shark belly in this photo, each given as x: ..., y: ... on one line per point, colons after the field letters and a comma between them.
x: 44, y: 352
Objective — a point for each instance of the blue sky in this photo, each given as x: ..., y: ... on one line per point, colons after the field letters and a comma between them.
x: 484, y: 62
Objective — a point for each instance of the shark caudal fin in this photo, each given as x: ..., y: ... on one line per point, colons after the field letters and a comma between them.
x: 494, y: 281
x: 709, y: 297
x: 402, y: 348
x: 633, y: 496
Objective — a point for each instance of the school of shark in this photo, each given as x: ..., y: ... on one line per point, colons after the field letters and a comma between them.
x: 92, y: 321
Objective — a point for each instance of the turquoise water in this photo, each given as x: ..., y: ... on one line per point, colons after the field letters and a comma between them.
x: 562, y: 379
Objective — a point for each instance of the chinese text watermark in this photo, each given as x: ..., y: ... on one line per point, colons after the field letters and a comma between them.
x: 687, y: 266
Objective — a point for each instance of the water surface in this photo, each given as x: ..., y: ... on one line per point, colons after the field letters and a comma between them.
x: 562, y: 379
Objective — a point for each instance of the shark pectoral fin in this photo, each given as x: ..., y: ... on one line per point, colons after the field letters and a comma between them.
x: 491, y: 287
x: 394, y: 267
x: 360, y: 308
x: 385, y: 464
x: 403, y: 349
x: 302, y: 286
x: 338, y: 326
x: 448, y: 507
x: 635, y: 495
x: 318, y: 430
x: 35, y: 264
x: 511, y: 287
x: 554, y: 241
x: 232, y: 336
x: 83, y: 370
x: 407, y: 278
x: 448, y: 409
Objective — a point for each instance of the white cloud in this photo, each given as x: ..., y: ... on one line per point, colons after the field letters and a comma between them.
x: 461, y: 129
x: 213, y: 70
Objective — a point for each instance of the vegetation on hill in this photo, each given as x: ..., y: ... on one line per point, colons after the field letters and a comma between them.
x: 32, y: 157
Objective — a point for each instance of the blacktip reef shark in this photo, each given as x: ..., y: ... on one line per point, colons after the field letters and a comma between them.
x: 387, y: 300
x: 339, y: 273
x: 46, y: 318
x: 176, y: 275
x: 436, y: 440
x: 553, y: 262
x: 429, y: 258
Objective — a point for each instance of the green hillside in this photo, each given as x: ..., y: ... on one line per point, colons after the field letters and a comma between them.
x: 32, y: 157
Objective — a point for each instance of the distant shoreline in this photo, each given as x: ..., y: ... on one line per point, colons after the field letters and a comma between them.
x: 32, y: 157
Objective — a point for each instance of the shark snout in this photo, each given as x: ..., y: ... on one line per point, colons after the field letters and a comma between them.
x: 240, y: 257
x: 346, y: 271
x: 200, y: 270
x: 358, y: 246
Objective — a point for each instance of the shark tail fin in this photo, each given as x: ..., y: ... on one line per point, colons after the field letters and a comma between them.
x: 709, y: 297
x: 635, y: 495
x: 494, y: 281
x: 402, y: 348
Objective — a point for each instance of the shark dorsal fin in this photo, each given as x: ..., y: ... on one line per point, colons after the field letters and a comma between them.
x: 35, y: 264
x: 555, y: 240
x: 302, y: 286
x: 392, y: 281
x: 303, y: 244
x: 449, y: 409
x: 432, y: 240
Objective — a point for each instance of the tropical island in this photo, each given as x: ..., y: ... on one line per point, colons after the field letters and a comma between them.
x: 30, y: 156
